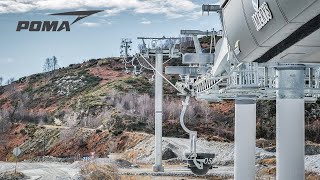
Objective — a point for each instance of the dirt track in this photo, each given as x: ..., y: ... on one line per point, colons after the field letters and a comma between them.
x: 55, y: 171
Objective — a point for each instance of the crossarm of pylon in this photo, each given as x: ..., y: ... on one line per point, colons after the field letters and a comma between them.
x: 182, y: 92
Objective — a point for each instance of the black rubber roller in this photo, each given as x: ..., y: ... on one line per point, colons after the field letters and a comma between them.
x: 200, y: 172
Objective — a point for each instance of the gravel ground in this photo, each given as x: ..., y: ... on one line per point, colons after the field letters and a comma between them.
x: 225, y: 172
x: 43, y: 171
x: 224, y: 151
x: 56, y: 170
x: 312, y: 163
x: 48, y: 170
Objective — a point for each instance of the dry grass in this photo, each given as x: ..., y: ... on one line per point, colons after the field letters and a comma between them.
x: 215, y: 178
x: 11, y: 175
x: 270, y: 173
x: 268, y: 161
x: 312, y: 176
x: 126, y: 177
x: 93, y: 171
x: 131, y: 156
x: 267, y: 173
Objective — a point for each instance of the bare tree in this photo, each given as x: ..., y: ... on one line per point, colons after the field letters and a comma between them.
x: 10, y: 80
x: 54, y: 63
x: 50, y: 64
x: 191, y: 112
x: 1, y: 79
x: 146, y: 109
x: 47, y: 65
x: 206, y: 111
x: 22, y: 105
x: 171, y: 109
x: 4, y: 119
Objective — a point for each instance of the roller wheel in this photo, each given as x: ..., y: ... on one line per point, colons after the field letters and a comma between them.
x: 200, y: 172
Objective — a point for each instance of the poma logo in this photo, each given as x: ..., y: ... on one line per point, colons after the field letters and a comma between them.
x: 54, y: 25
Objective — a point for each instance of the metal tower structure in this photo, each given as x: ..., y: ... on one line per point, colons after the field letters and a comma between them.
x: 160, y: 48
x: 125, y: 47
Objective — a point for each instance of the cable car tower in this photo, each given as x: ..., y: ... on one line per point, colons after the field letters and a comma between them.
x: 125, y: 47
x: 160, y: 48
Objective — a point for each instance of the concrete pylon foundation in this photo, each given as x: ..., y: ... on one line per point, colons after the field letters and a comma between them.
x: 157, y: 167
x: 245, y: 139
x: 290, y: 130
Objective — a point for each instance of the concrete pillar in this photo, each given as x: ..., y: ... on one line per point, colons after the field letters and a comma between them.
x: 157, y: 167
x: 245, y: 139
x: 290, y: 122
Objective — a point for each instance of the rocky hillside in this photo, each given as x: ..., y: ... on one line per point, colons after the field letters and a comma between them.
x: 97, y: 102
x: 98, y: 93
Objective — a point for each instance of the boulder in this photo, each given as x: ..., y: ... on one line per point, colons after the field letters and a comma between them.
x: 168, y: 154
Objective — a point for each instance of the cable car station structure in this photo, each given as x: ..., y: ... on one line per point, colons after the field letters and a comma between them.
x: 267, y: 50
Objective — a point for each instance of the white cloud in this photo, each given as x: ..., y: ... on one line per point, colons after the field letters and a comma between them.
x: 145, y: 22
x: 90, y: 24
x: 170, y: 8
x: 8, y: 60
x: 104, y: 21
x: 195, y: 15
x: 113, y: 12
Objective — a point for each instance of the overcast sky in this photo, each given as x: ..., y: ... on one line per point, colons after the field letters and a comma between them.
x: 23, y: 53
